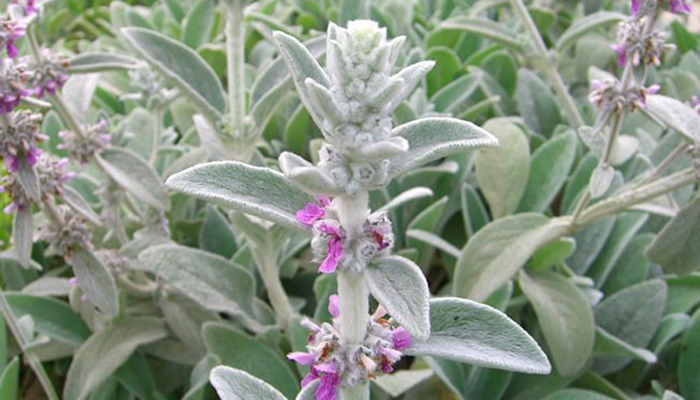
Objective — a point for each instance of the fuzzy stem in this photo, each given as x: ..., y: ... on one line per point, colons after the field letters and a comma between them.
x: 33, y: 361
x: 267, y: 266
x: 353, y: 294
x: 158, y: 114
x: 548, y: 66
x: 235, y: 45
x: 638, y: 195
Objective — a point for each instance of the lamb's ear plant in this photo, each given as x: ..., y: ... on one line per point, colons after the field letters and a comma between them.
x: 351, y: 100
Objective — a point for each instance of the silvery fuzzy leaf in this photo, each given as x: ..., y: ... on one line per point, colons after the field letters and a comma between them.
x: 607, y: 345
x: 486, y: 28
x: 385, y: 149
x: 387, y: 94
x: 407, y: 196
x: 105, y: 351
x: 212, y: 281
x: 261, y: 192
x: 78, y: 92
x: 432, y: 138
x: 135, y: 175
x: 469, y: 332
x: 217, y: 146
x: 400, y: 382
x: 95, y: 280
x: 23, y: 234
x: 183, y: 66
x: 585, y: 25
x: 675, y: 114
x: 306, y: 175
x: 676, y: 248
x: 594, y: 139
x: 398, y: 284
x: 234, y: 384
x: 624, y: 148
x: 302, y: 66
x: 308, y: 392
x: 29, y: 180
x: 411, y: 76
x: 601, y: 179
x: 89, y: 62
x: 74, y: 199
x: 25, y: 323
x: 322, y: 102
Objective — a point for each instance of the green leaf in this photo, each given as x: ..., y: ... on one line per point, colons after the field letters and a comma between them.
x: 485, y: 28
x: 401, y: 382
x: 633, y: 314
x: 502, y: 172
x: 212, y: 281
x: 9, y: 380
x: 408, y: 196
x: 198, y: 23
x: 537, y: 104
x: 216, y: 236
x: 352, y: 9
x: 135, y: 175
x: 261, y: 192
x: 238, y: 350
x: 676, y: 247
x: 302, y: 66
x: 183, y: 66
x: 496, y: 252
x: 175, y: 9
x: 52, y: 317
x: 549, y: 170
x: 433, y: 138
x: 685, y: 41
x: 589, y: 243
x: 689, y: 361
x: 683, y: 293
x: 607, y: 344
x: 106, y: 350
x: 234, y: 384
x: 565, y: 317
x: 680, y: 117
x: 398, y: 284
x: 473, y: 210
x: 99, y: 62
x: 95, y: 280
x: 454, y: 95
x: 447, y: 65
x: 576, y: 394
x: 23, y: 234
x: 469, y: 332
x: 553, y: 253
x: 585, y: 25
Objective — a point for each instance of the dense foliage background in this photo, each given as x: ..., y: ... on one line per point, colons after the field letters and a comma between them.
x: 614, y: 321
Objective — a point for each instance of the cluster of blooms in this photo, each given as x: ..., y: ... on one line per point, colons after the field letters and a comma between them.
x: 639, y: 46
x: 29, y: 6
x: 19, y: 140
x: 52, y: 175
x: 338, y: 364
x: 10, y: 184
x: 10, y: 31
x: 14, y: 80
x: 608, y: 95
x: 644, y: 7
x: 64, y: 238
x: 83, y: 149
x: 337, y: 247
x: 50, y: 75
x: 353, y: 103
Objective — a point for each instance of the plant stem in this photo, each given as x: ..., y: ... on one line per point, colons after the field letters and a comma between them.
x: 158, y: 114
x: 235, y: 46
x: 353, y: 294
x: 267, y: 266
x: 638, y: 195
x: 548, y: 66
x: 33, y: 361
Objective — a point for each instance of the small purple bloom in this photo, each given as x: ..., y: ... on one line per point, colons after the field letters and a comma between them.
x: 310, y: 325
x: 73, y: 281
x: 679, y: 7
x: 11, y: 163
x: 622, y: 51
x: 328, y: 389
x: 310, y: 377
x: 301, y: 358
x: 334, y: 306
x: 401, y: 338
x: 636, y: 7
x: 334, y: 249
x: 310, y: 214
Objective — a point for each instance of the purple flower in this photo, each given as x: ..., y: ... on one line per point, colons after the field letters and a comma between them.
x: 9, y: 32
x: 334, y: 249
x: 328, y: 389
x: 679, y: 7
x: 636, y: 7
x: 622, y: 50
x: 334, y: 306
x: 310, y: 214
x: 401, y: 338
x: 301, y: 358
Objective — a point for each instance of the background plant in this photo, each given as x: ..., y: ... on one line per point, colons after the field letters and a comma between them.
x: 581, y: 226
